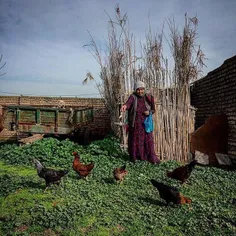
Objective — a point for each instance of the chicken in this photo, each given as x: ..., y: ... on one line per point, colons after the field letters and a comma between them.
x: 182, y: 173
x: 82, y: 169
x: 51, y: 176
x: 170, y: 194
x: 119, y: 174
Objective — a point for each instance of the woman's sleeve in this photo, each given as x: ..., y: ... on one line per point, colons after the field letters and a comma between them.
x: 153, y: 104
x: 129, y: 102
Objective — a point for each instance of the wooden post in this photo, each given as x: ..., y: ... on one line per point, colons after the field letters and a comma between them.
x: 56, y: 120
x: 38, y: 118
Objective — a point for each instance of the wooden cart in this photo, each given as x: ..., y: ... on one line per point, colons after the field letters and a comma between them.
x: 31, y: 120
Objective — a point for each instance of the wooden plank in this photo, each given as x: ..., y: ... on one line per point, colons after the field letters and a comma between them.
x: 31, y: 139
x: 27, y: 116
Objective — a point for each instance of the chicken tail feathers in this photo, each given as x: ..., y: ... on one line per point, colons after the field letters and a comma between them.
x: 37, y: 162
x: 192, y: 164
x: 38, y: 165
x: 123, y: 168
x: 183, y: 200
x: 91, y: 166
x: 155, y: 183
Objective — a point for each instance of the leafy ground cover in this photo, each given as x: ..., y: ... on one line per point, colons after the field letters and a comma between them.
x: 99, y: 206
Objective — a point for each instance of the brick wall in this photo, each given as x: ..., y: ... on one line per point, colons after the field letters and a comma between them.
x: 101, y: 124
x: 215, y: 94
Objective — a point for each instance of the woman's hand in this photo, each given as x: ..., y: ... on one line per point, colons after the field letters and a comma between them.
x: 146, y: 113
x: 123, y: 108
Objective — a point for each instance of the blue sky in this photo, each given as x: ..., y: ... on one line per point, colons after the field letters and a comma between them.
x: 42, y: 41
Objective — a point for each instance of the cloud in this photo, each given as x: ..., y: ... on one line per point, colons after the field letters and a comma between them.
x: 55, y: 64
x: 42, y: 41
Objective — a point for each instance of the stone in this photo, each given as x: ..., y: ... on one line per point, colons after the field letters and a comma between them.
x: 223, y: 159
x: 201, y: 158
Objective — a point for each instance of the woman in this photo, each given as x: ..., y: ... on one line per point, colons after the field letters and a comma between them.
x: 140, y: 143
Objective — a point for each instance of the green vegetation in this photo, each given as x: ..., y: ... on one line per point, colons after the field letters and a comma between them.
x: 98, y: 206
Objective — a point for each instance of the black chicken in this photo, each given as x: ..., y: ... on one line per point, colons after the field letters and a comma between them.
x: 170, y: 194
x: 51, y: 176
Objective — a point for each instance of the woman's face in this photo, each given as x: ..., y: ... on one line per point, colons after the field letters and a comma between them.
x: 140, y: 91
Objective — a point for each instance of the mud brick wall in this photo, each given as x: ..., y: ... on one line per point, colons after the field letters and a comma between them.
x: 215, y: 94
x: 101, y: 124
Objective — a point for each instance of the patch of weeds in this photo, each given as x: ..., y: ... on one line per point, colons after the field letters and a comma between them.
x: 98, y: 206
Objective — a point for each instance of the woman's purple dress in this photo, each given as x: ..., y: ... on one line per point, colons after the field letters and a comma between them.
x: 140, y: 143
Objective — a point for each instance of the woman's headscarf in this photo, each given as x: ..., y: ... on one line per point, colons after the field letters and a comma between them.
x: 139, y: 84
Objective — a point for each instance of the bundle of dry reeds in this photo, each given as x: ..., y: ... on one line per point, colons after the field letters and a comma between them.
x: 117, y: 67
x: 174, y: 117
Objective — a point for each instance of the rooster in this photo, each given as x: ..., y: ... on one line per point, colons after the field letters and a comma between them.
x: 170, y: 194
x: 182, y: 173
x: 51, y: 176
x: 119, y: 174
x: 82, y: 169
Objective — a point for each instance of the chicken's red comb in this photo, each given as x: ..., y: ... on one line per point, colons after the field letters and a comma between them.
x: 75, y: 153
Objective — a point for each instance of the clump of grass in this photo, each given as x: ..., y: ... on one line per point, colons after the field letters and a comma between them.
x: 99, y: 206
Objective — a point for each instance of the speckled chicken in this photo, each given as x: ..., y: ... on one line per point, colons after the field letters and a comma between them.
x: 120, y: 173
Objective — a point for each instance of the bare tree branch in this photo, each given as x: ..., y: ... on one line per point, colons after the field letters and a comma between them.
x: 2, y: 65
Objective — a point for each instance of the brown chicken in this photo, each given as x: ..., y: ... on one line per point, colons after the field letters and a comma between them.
x: 82, y: 169
x: 182, y: 173
x: 170, y: 194
x: 120, y: 173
